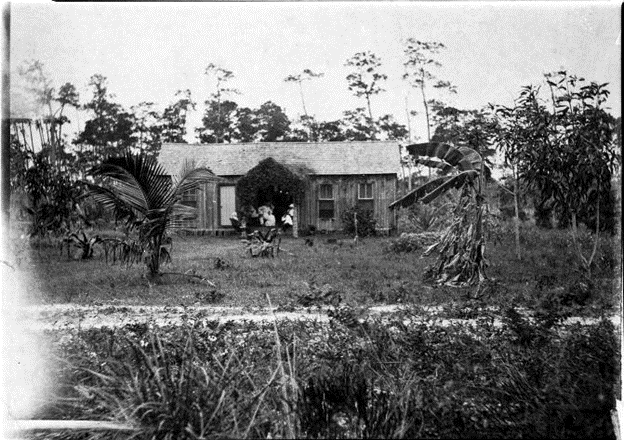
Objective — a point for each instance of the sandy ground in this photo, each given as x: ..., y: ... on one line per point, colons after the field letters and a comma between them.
x: 57, y: 317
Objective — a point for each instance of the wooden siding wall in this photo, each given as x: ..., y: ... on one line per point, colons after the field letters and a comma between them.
x: 345, y: 189
x: 345, y: 196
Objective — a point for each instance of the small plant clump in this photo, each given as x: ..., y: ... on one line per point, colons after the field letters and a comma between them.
x: 365, y: 219
x: 412, y: 242
x: 317, y: 296
x: 427, y: 218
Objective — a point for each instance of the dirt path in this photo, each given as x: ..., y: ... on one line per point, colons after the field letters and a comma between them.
x: 57, y: 317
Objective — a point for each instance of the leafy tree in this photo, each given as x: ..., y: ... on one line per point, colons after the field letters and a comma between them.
x: 246, y: 125
x: 511, y: 124
x: 365, y: 80
x: 514, y: 134
x: 67, y: 97
x: 307, y: 75
x: 475, y: 129
x: 219, y: 122
x: 357, y: 126
x: 134, y: 185
x: 40, y: 86
x: 391, y: 129
x: 230, y: 123
x: 302, y: 130
x: 419, y: 60
x: 567, y: 153
x: 273, y: 124
x: 147, y: 128
x: 174, y: 117
x: 318, y: 131
x: 329, y: 131
x: 151, y: 128
x: 221, y: 77
x: 111, y: 129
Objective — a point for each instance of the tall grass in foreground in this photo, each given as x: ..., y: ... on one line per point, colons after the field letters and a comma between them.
x: 169, y: 392
x: 351, y: 380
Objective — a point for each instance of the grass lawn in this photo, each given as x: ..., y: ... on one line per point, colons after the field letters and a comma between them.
x: 343, y: 378
x: 363, y: 275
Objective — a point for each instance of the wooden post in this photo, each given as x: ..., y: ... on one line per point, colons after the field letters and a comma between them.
x: 517, y: 215
x: 295, y: 222
x: 20, y: 426
x: 395, y: 213
x: 5, y: 135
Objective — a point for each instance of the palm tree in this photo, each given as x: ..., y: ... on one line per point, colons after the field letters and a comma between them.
x: 139, y: 190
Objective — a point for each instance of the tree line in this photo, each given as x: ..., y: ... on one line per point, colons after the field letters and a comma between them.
x: 541, y: 140
x: 111, y: 127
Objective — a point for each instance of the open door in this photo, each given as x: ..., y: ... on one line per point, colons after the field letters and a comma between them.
x: 227, y: 204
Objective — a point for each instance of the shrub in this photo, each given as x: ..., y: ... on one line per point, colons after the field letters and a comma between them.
x: 366, y: 222
x: 412, y: 242
x: 52, y: 194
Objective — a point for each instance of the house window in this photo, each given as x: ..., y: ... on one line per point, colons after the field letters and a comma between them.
x: 326, y: 201
x: 365, y: 196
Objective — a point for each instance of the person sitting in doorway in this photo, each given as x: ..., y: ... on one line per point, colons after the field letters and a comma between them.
x: 252, y: 216
x: 287, y: 219
x: 266, y: 215
x: 236, y: 224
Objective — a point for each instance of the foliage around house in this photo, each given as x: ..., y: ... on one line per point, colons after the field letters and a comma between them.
x: 271, y: 177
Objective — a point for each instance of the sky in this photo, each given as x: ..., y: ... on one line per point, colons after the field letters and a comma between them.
x: 149, y: 51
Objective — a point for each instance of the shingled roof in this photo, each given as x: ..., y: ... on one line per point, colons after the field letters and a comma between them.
x: 318, y: 158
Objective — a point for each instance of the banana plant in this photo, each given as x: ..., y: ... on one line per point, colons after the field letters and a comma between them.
x: 465, y: 164
x: 138, y: 189
x: 462, y: 247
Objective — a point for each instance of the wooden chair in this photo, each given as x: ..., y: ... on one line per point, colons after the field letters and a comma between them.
x: 264, y: 242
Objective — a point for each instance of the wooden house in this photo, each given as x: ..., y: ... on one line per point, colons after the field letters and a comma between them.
x: 336, y: 176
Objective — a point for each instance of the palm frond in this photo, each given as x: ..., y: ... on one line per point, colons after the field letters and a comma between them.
x: 143, y: 173
x: 180, y: 216
x: 112, y: 200
x: 187, y: 166
x: 126, y: 187
x: 193, y: 179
